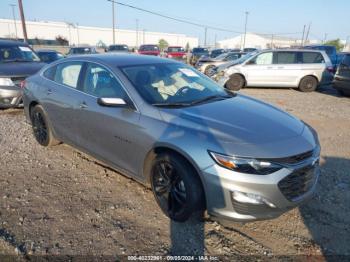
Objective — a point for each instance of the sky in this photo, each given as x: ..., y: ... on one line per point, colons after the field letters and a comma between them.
x: 282, y: 17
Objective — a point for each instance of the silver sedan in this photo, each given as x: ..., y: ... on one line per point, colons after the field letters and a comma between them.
x: 199, y: 146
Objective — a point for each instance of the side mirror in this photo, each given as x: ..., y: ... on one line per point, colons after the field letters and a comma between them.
x: 111, y: 102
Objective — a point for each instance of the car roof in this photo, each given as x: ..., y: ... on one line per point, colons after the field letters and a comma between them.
x: 121, y: 59
x: 291, y: 50
x: 12, y: 43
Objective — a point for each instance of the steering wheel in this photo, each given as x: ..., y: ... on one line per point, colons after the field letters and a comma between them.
x: 181, y: 91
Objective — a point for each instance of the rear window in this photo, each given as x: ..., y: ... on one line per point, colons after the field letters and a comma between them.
x: 200, y: 50
x: 312, y: 58
x: 285, y: 58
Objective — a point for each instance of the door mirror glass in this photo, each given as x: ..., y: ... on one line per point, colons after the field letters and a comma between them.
x: 111, y: 102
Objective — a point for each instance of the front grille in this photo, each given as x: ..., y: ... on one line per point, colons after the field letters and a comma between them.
x: 250, y: 209
x: 298, y: 183
x: 294, y: 159
x: 17, y: 80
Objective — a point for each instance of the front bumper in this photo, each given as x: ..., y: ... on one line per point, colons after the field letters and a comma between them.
x: 10, y: 96
x: 283, y: 190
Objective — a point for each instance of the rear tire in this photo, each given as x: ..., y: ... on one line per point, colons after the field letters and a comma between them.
x: 176, y: 187
x: 41, y: 127
x: 308, y: 84
x: 235, y: 83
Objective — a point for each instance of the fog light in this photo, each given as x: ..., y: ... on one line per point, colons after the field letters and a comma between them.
x: 250, y: 198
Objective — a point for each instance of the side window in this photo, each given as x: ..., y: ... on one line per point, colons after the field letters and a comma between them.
x: 263, y: 59
x: 312, y: 58
x: 100, y: 82
x: 346, y: 60
x: 285, y: 58
x: 68, y: 73
x: 50, y: 72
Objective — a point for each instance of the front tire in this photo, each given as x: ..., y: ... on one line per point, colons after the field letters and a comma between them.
x: 41, y: 127
x: 176, y: 187
x: 235, y: 83
x: 308, y: 84
x: 208, y: 70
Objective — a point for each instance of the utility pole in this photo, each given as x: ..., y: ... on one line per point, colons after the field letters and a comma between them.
x: 20, y: 6
x: 137, y: 33
x: 205, y: 36
x: 307, y: 33
x: 14, y: 19
x: 245, y: 28
x: 302, y: 38
x: 113, y: 14
x: 272, y: 41
x: 144, y: 36
x: 215, y: 40
x: 325, y: 38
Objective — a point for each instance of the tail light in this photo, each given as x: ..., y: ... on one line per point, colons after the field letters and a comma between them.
x: 330, y: 69
x: 22, y: 84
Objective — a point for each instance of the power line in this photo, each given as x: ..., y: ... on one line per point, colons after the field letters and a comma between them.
x: 177, y: 19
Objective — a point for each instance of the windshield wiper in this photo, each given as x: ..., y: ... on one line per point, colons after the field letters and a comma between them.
x: 210, y: 98
x: 171, y: 104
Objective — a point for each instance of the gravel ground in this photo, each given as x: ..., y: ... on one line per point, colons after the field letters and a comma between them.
x: 58, y: 201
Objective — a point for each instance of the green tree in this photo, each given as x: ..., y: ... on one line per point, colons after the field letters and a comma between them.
x: 336, y: 42
x: 163, y: 44
x: 62, y: 40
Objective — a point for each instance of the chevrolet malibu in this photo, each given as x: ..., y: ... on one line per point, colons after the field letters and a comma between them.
x: 197, y: 145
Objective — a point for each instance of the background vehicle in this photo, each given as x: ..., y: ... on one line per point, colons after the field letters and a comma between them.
x: 17, y: 61
x: 176, y: 52
x: 163, y: 124
x: 198, y: 52
x: 149, y: 50
x: 49, y: 56
x: 303, y: 69
x: 342, y: 77
x: 216, y: 52
x: 81, y: 51
x: 249, y: 49
x: 330, y: 50
x: 118, y: 48
x: 206, y: 64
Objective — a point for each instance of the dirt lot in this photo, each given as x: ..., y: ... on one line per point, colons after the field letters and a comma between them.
x: 58, y: 201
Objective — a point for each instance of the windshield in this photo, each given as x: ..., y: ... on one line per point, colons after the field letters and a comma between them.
x: 173, y: 84
x: 118, y: 48
x: 175, y: 49
x: 149, y: 48
x: 81, y: 50
x: 17, y: 54
x: 221, y: 57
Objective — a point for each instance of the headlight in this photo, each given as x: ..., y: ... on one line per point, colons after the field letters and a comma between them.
x: 6, y: 82
x: 170, y: 56
x: 245, y: 165
x: 184, y: 56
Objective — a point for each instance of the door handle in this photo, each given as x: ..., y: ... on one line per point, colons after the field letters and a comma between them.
x: 281, y: 67
x: 83, y: 105
x: 49, y: 91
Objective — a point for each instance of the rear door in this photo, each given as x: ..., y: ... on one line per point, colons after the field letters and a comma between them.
x: 259, y: 70
x: 109, y: 133
x: 60, y: 98
x: 314, y: 63
x: 343, y: 72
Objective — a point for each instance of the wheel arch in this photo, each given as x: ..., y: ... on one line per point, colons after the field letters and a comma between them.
x: 162, y: 148
x: 309, y: 75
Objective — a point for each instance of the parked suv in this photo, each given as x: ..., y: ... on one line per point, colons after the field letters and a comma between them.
x: 303, y: 69
x: 17, y: 61
x: 118, y: 49
x: 49, y: 56
x: 342, y: 77
x: 197, y: 145
x: 83, y: 50
x: 197, y: 53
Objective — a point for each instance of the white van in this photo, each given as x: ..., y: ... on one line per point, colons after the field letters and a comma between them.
x: 303, y: 69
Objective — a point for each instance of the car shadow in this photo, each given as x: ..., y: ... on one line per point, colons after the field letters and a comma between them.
x: 327, y: 215
x: 328, y: 90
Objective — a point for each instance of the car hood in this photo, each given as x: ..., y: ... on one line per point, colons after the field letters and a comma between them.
x: 245, y: 126
x: 20, y: 68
